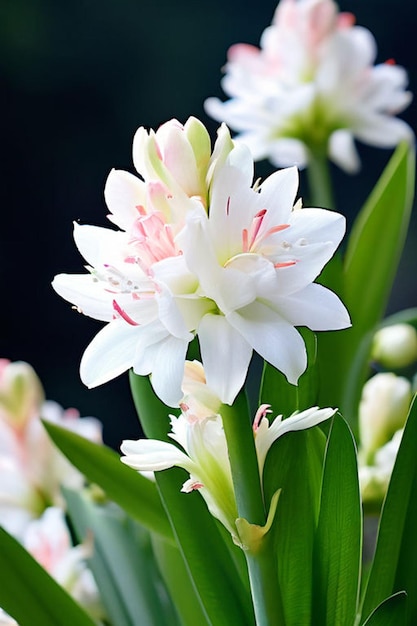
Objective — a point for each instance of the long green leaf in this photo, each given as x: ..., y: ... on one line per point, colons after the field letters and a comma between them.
x: 29, y: 594
x: 122, y: 562
x: 135, y: 494
x: 373, y: 253
x: 339, y: 532
x: 294, y: 465
x: 391, y: 612
x: 216, y: 581
x: 394, y: 566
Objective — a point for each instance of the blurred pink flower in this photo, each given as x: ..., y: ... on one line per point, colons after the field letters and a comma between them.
x: 312, y: 86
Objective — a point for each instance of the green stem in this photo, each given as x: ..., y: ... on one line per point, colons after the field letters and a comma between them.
x: 262, y: 564
x: 319, y: 181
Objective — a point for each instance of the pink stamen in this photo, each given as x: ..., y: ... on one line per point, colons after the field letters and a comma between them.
x: 141, y: 209
x: 262, y: 412
x: 390, y: 62
x: 123, y: 314
x: 287, y: 264
x: 196, y: 486
x: 251, y: 237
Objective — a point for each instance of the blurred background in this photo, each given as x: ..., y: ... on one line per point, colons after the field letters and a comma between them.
x: 77, y: 79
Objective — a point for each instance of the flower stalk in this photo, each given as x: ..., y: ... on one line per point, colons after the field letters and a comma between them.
x: 319, y: 180
x: 261, y: 563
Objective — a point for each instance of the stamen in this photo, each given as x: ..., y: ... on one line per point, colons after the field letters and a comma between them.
x: 287, y: 264
x: 262, y: 412
x: 123, y: 314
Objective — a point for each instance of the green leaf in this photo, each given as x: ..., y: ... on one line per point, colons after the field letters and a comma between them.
x: 391, y: 612
x: 29, y: 594
x: 285, y: 398
x: 338, y: 543
x: 135, y: 494
x: 294, y: 464
x: 215, y: 578
x: 394, y: 566
x: 373, y: 253
x: 122, y: 563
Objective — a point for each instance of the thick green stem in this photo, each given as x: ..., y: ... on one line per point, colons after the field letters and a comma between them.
x: 319, y: 181
x: 262, y: 563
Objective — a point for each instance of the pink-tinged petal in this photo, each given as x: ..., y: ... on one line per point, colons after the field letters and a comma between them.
x: 87, y: 295
x: 153, y: 455
x: 110, y: 353
x: 314, y: 306
x: 273, y: 337
x: 226, y: 356
x: 124, y: 195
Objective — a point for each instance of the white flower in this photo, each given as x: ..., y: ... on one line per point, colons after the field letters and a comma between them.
x: 374, y: 479
x: 383, y: 410
x: 203, y: 449
x: 48, y: 540
x: 237, y: 272
x: 312, y: 86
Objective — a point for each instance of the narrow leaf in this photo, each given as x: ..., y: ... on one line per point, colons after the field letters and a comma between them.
x: 294, y: 465
x: 374, y: 250
x: 29, y: 594
x: 391, y: 612
x: 339, y: 532
x: 135, y: 494
x: 394, y: 566
x: 122, y: 563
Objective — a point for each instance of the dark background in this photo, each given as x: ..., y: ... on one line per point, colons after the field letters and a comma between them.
x: 77, y: 79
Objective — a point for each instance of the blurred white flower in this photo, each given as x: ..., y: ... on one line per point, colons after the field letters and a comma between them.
x: 383, y: 410
x: 32, y: 470
x: 395, y: 346
x: 312, y: 87
x: 48, y: 540
x: 374, y: 479
x: 234, y: 264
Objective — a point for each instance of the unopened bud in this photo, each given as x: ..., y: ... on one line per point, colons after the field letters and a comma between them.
x: 21, y: 393
x: 383, y: 410
x: 395, y: 346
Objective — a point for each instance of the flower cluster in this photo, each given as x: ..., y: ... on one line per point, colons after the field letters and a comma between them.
x: 32, y: 472
x: 312, y: 87
x: 201, y: 251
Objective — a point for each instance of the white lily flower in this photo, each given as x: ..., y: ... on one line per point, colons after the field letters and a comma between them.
x: 202, y: 447
x: 312, y: 85
x: 238, y: 273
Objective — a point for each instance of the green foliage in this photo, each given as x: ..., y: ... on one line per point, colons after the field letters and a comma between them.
x: 391, y: 612
x: 394, y: 567
x: 338, y: 544
x: 29, y: 594
x: 122, y: 562
x: 135, y: 494
x: 216, y: 581
x: 294, y: 464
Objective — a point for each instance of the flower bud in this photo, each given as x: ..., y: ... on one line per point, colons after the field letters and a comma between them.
x: 383, y: 410
x: 21, y: 393
x: 395, y: 346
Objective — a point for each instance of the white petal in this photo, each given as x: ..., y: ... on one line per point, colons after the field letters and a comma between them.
x: 152, y: 455
x: 272, y: 337
x: 300, y: 421
x: 168, y: 370
x: 100, y: 245
x: 88, y: 296
x: 225, y: 355
x: 123, y: 194
x: 278, y: 193
x: 316, y: 307
x: 382, y: 131
x: 110, y: 353
x: 342, y: 151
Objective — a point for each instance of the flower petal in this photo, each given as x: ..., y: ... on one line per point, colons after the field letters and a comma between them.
x: 226, y: 356
x: 153, y: 455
